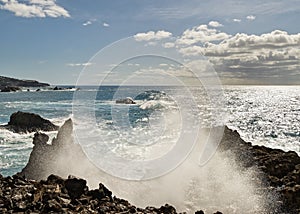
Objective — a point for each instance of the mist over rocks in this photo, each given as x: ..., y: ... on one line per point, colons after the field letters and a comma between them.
x: 281, y: 170
x: 276, y: 171
x: 23, y: 122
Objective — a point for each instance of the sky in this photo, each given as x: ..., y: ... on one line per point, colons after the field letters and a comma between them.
x: 247, y: 42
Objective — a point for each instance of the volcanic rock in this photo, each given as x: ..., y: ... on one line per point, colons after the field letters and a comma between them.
x: 127, y: 100
x: 48, y: 196
x: 22, y: 122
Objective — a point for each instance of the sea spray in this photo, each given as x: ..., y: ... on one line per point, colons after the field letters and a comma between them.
x: 216, y: 182
x: 220, y: 184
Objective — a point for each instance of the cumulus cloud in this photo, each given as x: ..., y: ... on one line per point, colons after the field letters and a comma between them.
x: 251, y: 17
x: 215, y: 24
x: 151, y: 35
x: 271, y: 55
x: 237, y: 20
x: 269, y: 58
x: 202, y: 34
x: 105, y: 24
x: 34, y: 8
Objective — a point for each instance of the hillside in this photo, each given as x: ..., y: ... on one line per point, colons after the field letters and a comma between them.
x: 8, y: 81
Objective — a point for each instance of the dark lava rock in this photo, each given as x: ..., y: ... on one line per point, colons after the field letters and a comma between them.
x: 29, y: 196
x: 22, y: 122
x: 10, y: 89
x: 281, y: 169
x: 57, y: 88
x: 75, y: 187
x: 127, y: 100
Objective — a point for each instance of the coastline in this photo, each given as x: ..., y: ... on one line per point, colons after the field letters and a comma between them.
x: 279, y: 171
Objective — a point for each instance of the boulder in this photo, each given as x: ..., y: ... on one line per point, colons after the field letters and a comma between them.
x: 22, y: 122
x: 56, y: 88
x: 75, y: 187
x: 127, y: 100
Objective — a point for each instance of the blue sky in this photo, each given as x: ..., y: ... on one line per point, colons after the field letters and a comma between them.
x: 52, y: 40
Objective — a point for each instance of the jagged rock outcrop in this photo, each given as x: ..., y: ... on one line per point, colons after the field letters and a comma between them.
x: 62, y: 156
x: 22, y: 122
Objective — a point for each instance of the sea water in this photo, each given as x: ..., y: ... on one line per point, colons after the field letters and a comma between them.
x: 263, y: 115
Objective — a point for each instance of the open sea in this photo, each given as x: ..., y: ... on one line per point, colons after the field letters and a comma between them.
x: 263, y: 115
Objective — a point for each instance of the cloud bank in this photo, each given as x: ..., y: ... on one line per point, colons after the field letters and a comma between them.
x: 270, y: 58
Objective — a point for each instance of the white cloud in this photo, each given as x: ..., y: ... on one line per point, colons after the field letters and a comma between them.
x: 237, y: 20
x: 215, y: 24
x: 246, y: 59
x: 151, y: 35
x: 271, y: 55
x: 34, y: 8
x: 201, y: 33
x: 105, y: 24
x: 87, y: 23
x: 79, y: 64
x: 251, y: 17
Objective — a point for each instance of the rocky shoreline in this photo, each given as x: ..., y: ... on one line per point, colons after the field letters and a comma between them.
x: 280, y: 174
x: 58, y: 195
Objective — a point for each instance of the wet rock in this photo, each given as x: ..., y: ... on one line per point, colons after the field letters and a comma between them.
x: 127, y: 100
x: 22, y: 122
x: 57, y: 88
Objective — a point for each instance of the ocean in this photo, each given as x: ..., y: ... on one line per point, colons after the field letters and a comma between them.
x: 263, y: 115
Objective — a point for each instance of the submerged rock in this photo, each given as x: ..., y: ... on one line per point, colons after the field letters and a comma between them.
x: 22, y: 122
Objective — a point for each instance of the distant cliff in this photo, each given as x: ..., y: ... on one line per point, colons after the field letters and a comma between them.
x: 8, y: 81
